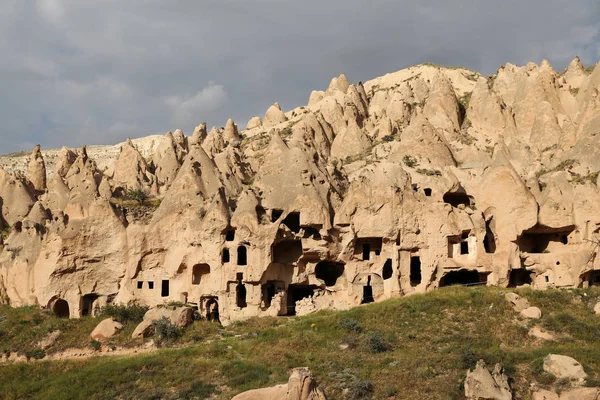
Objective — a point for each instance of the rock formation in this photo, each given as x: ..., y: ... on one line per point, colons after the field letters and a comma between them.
x: 416, y: 180
x: 301, y: 386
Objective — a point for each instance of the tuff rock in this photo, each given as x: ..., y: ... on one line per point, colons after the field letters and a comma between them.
x: 419, y: 179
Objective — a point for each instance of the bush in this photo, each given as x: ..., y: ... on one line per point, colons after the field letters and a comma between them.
x: 125, y: 313
x: 136, y: 195
x: 350, y: 325
x: 95, y: 344
x: 388, y: 138
x: 164, y: 330
x: 360, y: 390
x: 36, y: 354
x: 410, y: 161
x: 376, y: 343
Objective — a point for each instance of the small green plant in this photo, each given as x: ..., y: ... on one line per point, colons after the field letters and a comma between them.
x: 95, y: 344
x: 136, y: 195
x: 4, y: 231
x: 388, y: 138
x: 165, y: 331
x: 286, y: 132
x: 376, y: 343
x: 248, y: 180
x: 429, y: 172
x: 410, y: 161
x: 391, y: 391
x: 350, y: 325
x: 36, y: 354
x: 360, y: 390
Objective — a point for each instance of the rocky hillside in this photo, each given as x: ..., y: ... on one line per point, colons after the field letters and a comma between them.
x: 419, y: 179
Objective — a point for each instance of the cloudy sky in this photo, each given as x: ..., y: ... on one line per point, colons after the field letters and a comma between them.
x: 79, y: 72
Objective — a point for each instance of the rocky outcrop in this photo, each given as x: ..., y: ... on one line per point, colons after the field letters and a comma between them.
x: 301, y: 386
x: 274, y: 116
x: 481, y: 384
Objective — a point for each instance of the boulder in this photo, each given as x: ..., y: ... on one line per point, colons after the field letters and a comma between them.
x: 519, y: 303
x: 301, y: 386
x: 481, y: 384
x: 178, y: 316
x: 531, y: 313
x: 106, y: 329
x: 572, y: 394
x: 597, y: 308
x: 564, y: 367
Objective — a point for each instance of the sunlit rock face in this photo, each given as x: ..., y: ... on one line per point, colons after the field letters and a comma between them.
x: 423, y: 178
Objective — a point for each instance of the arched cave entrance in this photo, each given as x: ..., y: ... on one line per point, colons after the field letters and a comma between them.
x: 329, y: 272
x: 60, y: 308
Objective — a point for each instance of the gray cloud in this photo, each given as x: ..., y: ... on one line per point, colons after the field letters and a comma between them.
x: 101, y: 70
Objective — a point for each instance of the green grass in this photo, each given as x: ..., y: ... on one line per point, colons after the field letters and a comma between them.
x: 416, y: 347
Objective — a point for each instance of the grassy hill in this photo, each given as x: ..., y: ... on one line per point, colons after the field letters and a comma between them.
x: 416, y: 347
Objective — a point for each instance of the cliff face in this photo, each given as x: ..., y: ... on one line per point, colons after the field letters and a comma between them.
x: 422, y: 178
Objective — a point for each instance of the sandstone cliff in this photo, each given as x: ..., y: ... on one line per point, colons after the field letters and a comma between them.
x: 419, y: 179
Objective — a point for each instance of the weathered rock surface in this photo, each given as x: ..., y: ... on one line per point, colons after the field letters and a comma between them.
x: 301, y: 386
x: 564, y: 367
x: 106, y: 329
x: 480, y: 384
x: 178, y: 316
x: 571, y: 394
x: 419, y: 179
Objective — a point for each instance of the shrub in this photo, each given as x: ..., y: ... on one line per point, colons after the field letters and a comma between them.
x: 95, y: 344
x: 136, y: 195
x: 388, y: 138
x: 36, y: 354
x: 410, y: 161
x: 125, y: 313
x: 350, y: 325
x: 360, y: 390
x: 376, y: 343
x: 468, y: 357
x: 429, y: 172
x: 164, y: 330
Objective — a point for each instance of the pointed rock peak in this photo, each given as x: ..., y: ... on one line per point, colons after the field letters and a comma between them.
x: 230, y: 126
x: 230, y: 134
x: 274, y: 116
x: 129, y: 143
x: 199, y: 134
x: 254, y: 122
x: 214, y: 131
x: 36, y: 169
x: 546, y: 66
x: 576, y: 63
x: 178, y: 133
x: 340, y: 83
x: 276, y: 141
x: 169, y: 135
x: 83, y: 153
